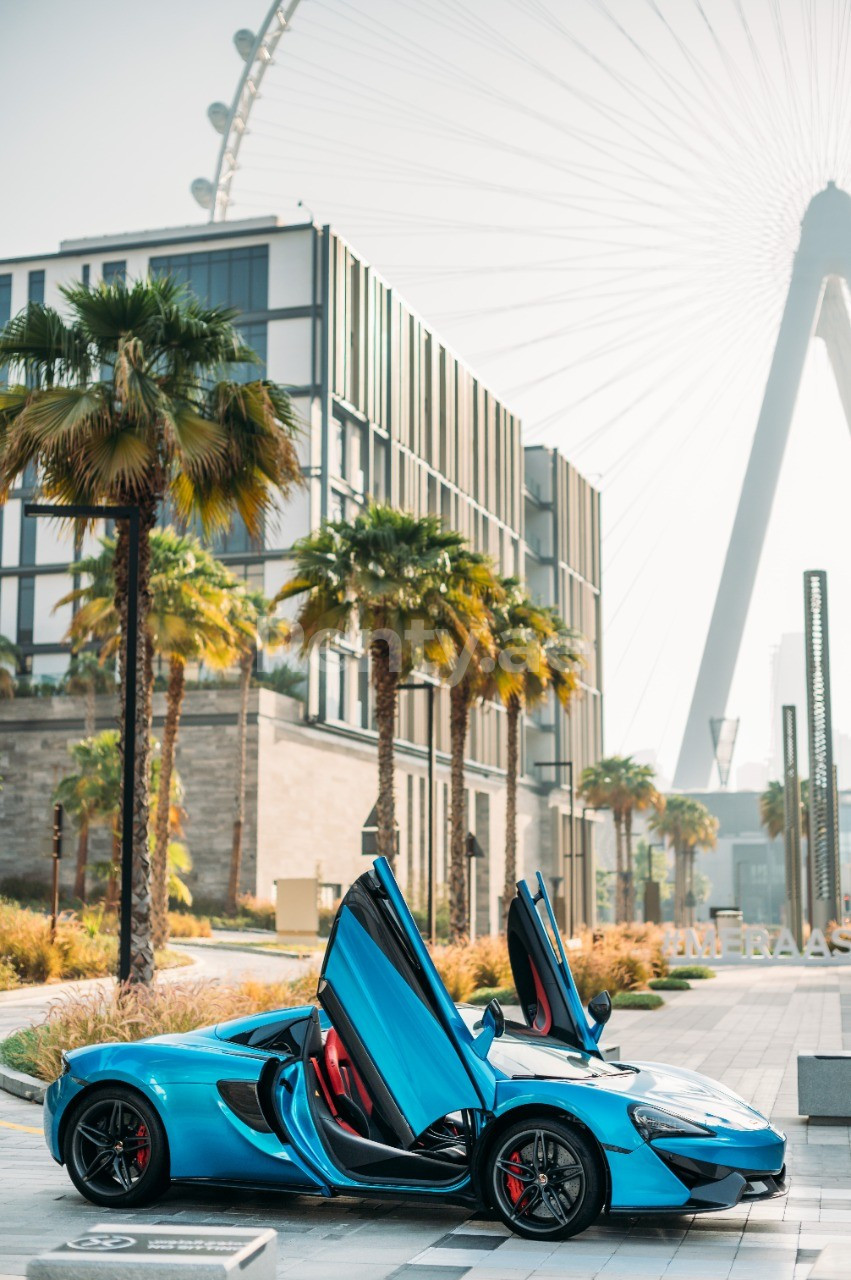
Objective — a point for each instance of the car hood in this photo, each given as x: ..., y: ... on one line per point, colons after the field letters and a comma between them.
x: 676, y: 1089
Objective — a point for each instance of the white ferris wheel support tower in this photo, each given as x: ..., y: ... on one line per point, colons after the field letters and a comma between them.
x: 231, y: 121
x: 815, y: 305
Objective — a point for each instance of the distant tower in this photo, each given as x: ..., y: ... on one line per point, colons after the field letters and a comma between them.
x: 814, y: 304
x: 823, y: 850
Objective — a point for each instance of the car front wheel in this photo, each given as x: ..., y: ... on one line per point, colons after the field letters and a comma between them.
x: 115, y: 1149
x: 545, y: 1179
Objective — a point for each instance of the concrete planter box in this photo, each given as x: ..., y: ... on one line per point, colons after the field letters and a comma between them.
x: 824, y: 1085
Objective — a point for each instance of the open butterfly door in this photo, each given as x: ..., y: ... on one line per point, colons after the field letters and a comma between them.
x: 545, y: 986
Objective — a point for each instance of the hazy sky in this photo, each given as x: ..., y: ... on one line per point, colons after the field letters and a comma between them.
x: 595, y: 201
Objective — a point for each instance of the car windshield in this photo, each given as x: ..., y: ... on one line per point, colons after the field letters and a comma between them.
x: 519, y: 1052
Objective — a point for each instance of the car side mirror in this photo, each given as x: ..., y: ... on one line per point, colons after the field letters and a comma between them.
x: 493, y: 1025
x: 600, y: 1008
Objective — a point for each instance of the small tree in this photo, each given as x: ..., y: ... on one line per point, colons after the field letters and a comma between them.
x: 384, y: 575
x: 604, y: 785
x: 86, y: 677
x: 124, y: 402
x: 91, y: 796
x: 689, y: 826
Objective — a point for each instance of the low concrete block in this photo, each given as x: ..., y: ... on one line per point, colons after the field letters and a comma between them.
x: 132, y: 1251
x: 833, y: 1263
x: 824, y: 1084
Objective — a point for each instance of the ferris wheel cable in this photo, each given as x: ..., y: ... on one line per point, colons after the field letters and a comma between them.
x: 639, y: 92
x: 587, y: 323
x: 419, y: 64
x: 673, y: 322
x: 646, y: 366
x: 646, y: 494
x: 841, y: 76
x: 592, y: 141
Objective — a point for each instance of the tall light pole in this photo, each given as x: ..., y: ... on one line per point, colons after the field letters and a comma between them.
x: 652, y: 890
x: 425, y: 686
x: 79, y: 511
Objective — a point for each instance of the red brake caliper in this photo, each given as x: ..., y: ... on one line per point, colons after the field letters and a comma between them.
x: 144, y: 1153
x: 514, y: 1186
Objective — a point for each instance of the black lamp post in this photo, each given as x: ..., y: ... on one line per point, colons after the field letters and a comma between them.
x: 430, y: 690
x: 131, y: 515
x: 652, y: 890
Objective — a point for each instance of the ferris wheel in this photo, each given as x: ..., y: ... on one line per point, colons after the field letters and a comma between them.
x: 598, y: 204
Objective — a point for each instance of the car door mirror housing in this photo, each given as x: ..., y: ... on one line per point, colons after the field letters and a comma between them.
x: 493, y: 1025
x: 600, y: 1008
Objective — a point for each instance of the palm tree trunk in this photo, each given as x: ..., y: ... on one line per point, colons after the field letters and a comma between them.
x: 82, y: 860
x: 245, y: 666
x: 459, y: 718
x: 679, y: 895
x: 629, y: 878
x: 619, y: 885
x: 513, y: 723
x: 141, y: 949
x: 159, y: 862
x: 90, y: 710
x: 385, y: 682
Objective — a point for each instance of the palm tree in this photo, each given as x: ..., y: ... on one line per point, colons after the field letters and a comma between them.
x: 461, y: 651
x: 384, y: 574
x: 536, y: 653
x: 91, y: 796
x: 255, y: 627
x: 8, y: 658
x: 605, y: 785
x: 641, y: 794
x: 123, y: 402
x: 772, y: 809
x: 187, y: 622
x: 86, y: 677
x: 689, y: 826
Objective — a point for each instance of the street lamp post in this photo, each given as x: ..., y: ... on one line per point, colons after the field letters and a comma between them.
x: 131, y: 515
x: 430, y: 689
x: 570, y: 920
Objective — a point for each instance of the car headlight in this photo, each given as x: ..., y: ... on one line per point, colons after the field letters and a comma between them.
x: 654, y: 1122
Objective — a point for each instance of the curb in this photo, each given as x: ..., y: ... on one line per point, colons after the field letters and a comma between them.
x: 241, y: 947
x: 22, y: 1085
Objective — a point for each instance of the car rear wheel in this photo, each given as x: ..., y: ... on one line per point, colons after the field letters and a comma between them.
x: 115, y: 1149
x: 545, y: 1179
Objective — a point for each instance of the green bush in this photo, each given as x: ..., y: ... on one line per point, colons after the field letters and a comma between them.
x: 636, y: 1000
x: 669, y: 984
x: 693, y: 971
x: 484, y: 995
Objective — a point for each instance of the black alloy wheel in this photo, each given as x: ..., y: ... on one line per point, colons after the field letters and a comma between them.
x: 115, y: 1149
x: 545, y: 1179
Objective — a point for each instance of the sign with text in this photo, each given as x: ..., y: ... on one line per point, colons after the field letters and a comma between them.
x: 754, y: 942
x: 129, y: 1251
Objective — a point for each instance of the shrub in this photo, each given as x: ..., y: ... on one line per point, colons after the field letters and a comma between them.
x: 115, y: 1015
x: 8, y: 976
x: 26, y: 947
x: 694, y: 971
x: 669, y: 984
x: 484, y: 995
x: 489, y: 964
x: 181, y: 924
x: 453, y: 965
x: 637, y: 1000
x: 258, y: 910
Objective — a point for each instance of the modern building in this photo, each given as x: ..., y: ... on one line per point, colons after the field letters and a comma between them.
x: 388, y: 411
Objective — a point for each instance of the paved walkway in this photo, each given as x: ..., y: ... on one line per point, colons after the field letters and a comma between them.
x: 745, y: 1027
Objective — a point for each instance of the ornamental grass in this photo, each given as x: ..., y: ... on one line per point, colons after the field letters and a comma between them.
x: 113, y: 1014
x: 27, y: 953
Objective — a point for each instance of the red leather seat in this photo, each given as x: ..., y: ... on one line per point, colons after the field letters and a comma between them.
x: 342, y: 1074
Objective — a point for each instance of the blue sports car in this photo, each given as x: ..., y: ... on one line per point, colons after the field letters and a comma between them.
x: 390, y: 1089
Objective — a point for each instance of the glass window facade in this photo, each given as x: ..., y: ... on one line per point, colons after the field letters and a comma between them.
x: 254, y: 335
x: 114, y: 271
x: 28, y: 531
x: 35, y: 286
x: 222, y: 277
